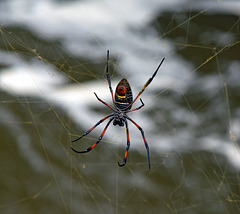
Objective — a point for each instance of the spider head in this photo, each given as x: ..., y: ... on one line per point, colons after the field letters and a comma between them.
x: 119, y: 118
x: 118, y: 121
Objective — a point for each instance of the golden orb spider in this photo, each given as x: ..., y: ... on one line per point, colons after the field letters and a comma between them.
x: 122, y: 105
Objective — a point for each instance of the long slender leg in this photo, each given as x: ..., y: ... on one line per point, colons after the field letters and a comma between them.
x: 128, y: 145
x: 135, y: 109
x: 104, y: 102
x: 144, y: 139
x: 87, y: 132
x: 147, y: 83
x: 108, y: 77
x: 99, y: 139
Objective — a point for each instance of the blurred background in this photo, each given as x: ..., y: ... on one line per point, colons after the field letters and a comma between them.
x: 53, y: 59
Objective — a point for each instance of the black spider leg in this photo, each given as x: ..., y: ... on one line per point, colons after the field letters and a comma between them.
x: 146, y: 84
x: 144, y: 139
x: 98, y: 123
x: 135, y: 109
x: 104, y: 103
x: 127, y: 148
x: 108, y: 78
x: 99, y: 139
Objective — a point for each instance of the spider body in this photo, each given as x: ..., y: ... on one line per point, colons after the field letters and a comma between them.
x: 123, y: 99
x: 122, y: 105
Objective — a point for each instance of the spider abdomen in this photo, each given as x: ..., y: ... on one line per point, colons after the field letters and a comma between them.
x: 123, y: 95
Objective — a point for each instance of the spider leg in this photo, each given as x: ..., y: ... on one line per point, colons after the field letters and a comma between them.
x: 147, y: 83
x: 104, y: 102
x: 99, y: 139
x: 128, y: 145
x: 137, y: 107
x: 98, y: 123
x: 144, y: 139
x: 108, y: 77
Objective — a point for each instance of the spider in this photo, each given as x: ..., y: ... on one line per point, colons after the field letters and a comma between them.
x: 122, y: 105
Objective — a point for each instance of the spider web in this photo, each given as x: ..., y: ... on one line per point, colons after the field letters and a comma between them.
x: 190, y: 118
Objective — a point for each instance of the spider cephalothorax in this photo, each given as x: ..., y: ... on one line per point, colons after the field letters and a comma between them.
x: 122, y: 105
x: 119, y: 119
